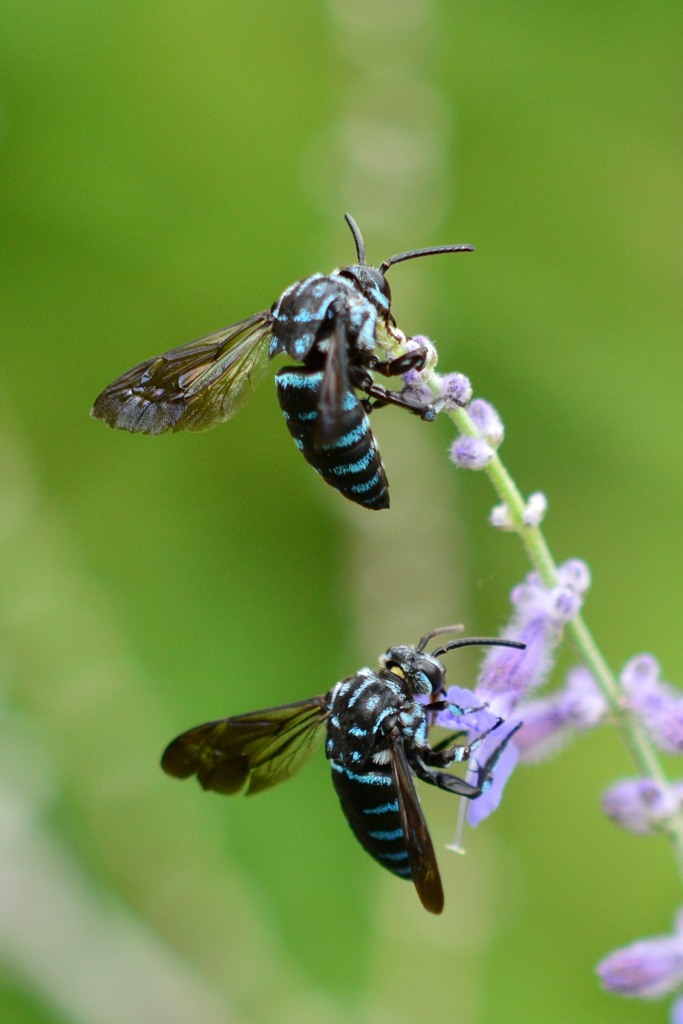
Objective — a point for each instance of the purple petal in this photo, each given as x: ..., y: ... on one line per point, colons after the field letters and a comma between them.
x: 471, y: 452
x: 640, y: 674
x: 486, y: 804
x: 456, y: 390
x: 582, y: 703
x: 659, y: 706
x: 539, y: 616
x: 462, y: 699
x: 649, y: 969
x: 487, y: 422
x: 640, y: 805
x: 550, y: 722
x: 677, y: 1011
x: 574, y: 574
x: 509, y: 673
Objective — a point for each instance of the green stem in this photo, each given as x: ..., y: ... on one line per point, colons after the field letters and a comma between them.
x: 639, y: 744
x: 641, y: 748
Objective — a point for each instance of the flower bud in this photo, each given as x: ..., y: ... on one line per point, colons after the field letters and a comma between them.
x: 471, y: 452
x: 640, y: 805
x: 650, y: 968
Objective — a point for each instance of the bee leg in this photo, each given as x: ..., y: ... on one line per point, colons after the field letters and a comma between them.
x: 454, y: 784
x: 444, y: 744
x: 450, y: 783
x: 362, y: 380
x: 442, y: 755
x: 401, y: 364
x: 455, y: 709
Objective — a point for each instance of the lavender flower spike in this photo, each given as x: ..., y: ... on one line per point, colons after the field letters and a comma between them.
x: 538, y: 619
x: 454, y: 389
x: 509, y: 675
x: 475, y: 452
x: 648, y: 969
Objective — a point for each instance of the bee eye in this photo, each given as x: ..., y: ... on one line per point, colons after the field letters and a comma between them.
x: 371, y: 283
x: 380, y: 282
x: 433, y: 673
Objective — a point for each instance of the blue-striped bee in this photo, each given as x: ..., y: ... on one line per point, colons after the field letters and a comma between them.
x: 376, y: 743
x: 332, y: 324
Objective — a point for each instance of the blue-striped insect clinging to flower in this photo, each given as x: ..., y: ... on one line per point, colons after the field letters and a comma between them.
x: 333, y: 325
x: 377, y: 723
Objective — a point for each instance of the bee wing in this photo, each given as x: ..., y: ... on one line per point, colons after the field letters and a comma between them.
x: 421, y: 857
x: 334, y: 388
x: 259, y: 749
x: 192, y: 387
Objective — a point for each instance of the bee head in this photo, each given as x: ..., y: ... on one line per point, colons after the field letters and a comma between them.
x: 423, y: 672
x: 372, y: 285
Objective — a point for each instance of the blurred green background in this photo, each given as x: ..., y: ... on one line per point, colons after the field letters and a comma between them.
x: 167, y: 168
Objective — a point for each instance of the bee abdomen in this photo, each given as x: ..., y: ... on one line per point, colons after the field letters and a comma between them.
x: 370, y: 803
x: 350, y: 462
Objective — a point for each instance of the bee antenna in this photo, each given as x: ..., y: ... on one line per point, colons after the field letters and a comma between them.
x: 357, y: 237
x: 435, y: 250
x: 424, y: 640
x: 477, y: 641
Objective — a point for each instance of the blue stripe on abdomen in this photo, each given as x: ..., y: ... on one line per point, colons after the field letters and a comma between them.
x: 386, y: 834
x: 350, y: 461
x: 374, y: 820
x: 390, y: 808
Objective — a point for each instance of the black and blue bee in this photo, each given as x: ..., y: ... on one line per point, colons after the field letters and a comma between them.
x: 377, y: 741
x: 332, y: 325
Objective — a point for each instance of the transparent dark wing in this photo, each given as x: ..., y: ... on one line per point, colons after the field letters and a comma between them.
x: 259, y: 749
x: 192, y: 387
x: 334, y: 389
x: 421, y: 856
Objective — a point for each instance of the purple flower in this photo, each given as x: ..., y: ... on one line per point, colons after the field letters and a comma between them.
x: 455, y: 390
x: 487, y: 422
x: 471, y: 452
x: 488, y: 802
x: 508, y: 676
x: 540, y: 614
x: 465, y: 712
x: 641, y: 805
x: 419, y: 392
x: 656, y: 703
x: 648, y: 969
x: 422, y: 342
x: 677, y: 1011
x: 550, y: 722
x: 476, y: 451
x: 575, y: 574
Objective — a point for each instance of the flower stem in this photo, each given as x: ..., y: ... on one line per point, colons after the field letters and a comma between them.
x: 636, y: 739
